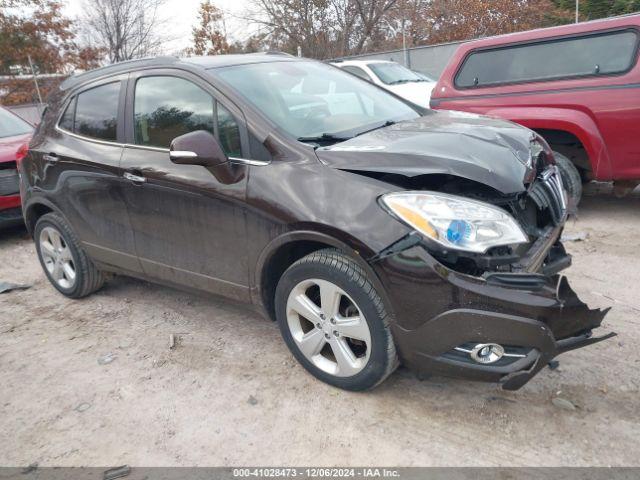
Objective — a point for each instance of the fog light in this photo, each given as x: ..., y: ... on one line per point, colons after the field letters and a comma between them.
x: 487, y: 352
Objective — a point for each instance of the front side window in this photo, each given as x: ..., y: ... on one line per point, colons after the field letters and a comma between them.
x: 12, y: 125
x: 167, y: 107
x: 96, y: 112
x: 602, y: 54
x: 308, y: 99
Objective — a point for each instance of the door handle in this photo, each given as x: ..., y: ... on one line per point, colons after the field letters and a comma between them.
x: 50, y: 157
x: 134, y: 178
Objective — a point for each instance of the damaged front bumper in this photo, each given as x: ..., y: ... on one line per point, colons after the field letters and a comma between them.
x: 441, y: 314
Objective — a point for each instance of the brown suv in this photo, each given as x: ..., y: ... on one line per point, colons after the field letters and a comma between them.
x: 372, y: 231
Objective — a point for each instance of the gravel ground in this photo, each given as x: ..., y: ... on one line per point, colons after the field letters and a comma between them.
x: 93, y: 382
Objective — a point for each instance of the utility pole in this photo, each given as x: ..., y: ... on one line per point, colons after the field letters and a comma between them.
x: 407, y: 61
x: 577, y: 11
x: 406, y: 58
x: 35, y: 81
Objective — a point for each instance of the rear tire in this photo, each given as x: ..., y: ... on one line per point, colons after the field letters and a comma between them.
x: 570, y: 177
x: 63, y: 260
x: 344, y: 340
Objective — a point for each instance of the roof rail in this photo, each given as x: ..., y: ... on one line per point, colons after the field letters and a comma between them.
x: 115, y: 68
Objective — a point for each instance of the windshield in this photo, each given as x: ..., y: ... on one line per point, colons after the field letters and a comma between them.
x: 394, y: 73
x: 12, y: 125
x: 311, y: 99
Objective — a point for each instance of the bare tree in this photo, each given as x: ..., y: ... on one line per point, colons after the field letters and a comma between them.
x: 126, y: 29
x: 287, y: 24
x: 322, y: 28
x: 336, y: 28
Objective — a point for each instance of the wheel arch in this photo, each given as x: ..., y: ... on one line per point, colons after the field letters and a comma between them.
x: 36, y: 209
x: 569, y: 145
x: 289, y: 247
x: 567, y: 123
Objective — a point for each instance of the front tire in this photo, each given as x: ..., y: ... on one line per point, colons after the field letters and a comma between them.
x: 63, y: 260
x: 570, y: 177
x: 334, y: 322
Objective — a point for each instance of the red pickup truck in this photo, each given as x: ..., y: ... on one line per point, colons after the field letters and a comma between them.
x: 577, y: 85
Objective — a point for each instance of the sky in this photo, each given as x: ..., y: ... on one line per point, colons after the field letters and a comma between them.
x: 183, y: 15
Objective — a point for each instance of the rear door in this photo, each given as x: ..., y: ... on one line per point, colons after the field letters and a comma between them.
x: 80, y: 171
x: 189, y: 225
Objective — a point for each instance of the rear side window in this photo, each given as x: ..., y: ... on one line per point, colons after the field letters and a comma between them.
x: 601, y: 54
x: 167, y: 107
x: 96, y: 112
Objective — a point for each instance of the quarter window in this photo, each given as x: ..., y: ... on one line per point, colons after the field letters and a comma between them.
x: 94, y: 113
x: 602, y: 54
x: 228, y: 132
x: 66, y: 121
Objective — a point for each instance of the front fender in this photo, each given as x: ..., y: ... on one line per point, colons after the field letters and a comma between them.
x: 322, y: 234
x: 572, y: 121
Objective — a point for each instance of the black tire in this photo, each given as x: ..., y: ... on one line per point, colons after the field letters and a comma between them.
x: 334, y: 266
x: 570, y: 177
x: 88, y: 277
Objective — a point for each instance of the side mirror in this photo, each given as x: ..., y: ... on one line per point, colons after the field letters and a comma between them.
x: 197, y: 148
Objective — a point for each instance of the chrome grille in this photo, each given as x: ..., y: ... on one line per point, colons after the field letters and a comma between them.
x: 548, y: 193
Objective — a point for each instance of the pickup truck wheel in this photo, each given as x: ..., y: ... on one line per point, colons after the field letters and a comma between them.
x: 334, y: 322
x: 570, y: 177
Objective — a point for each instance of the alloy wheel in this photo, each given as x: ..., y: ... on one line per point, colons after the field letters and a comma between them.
x: 328, y: 327
x: 57, y: 257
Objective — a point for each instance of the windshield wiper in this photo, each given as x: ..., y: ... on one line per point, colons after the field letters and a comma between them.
x: 324, y: 138
x: 388, y: 123
x: 398, y: 82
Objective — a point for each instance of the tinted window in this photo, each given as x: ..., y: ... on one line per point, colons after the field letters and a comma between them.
x: 167, y: 107
x: 66, y: 121
x: 11, y: 125
x: 358, y: 72
x: 588, y: 55
x: 228, y: 132
x: 97, y: 112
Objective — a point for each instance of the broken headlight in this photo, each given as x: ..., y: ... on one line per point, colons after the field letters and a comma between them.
x: 455, y: 222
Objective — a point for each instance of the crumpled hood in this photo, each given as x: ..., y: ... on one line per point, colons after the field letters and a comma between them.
x: 490, y: 151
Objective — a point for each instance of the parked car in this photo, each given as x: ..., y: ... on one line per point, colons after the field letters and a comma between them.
x: 14, y: 133
x: 578, y: 86
x: 413, y: 86
x: 372, y: 233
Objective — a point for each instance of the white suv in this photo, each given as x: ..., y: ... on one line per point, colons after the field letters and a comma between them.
x: 413, y: 86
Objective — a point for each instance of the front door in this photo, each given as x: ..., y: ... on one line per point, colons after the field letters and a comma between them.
x: 189, y: 225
